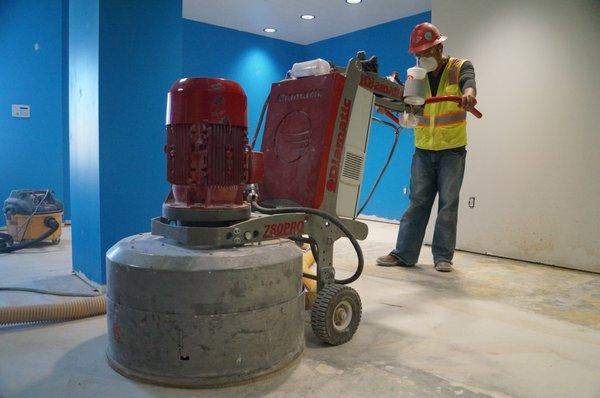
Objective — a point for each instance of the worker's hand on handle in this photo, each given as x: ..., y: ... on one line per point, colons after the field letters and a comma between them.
x: 468, y: 100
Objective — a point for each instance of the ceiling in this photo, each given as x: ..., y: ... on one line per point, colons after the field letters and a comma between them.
x: 333, y: 17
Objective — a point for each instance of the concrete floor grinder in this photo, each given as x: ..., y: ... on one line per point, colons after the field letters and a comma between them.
x: 214, y: 295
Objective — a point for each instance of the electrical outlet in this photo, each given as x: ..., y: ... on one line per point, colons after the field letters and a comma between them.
x: 405, y: 191
x: 472, y: 202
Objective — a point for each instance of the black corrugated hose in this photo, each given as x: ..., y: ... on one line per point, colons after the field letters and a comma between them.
x: 334, y: 220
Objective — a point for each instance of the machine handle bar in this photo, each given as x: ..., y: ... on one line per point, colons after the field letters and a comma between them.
x: 431, y: 100
x: 452, y: 98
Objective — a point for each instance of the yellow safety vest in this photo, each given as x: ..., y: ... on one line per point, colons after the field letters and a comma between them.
x: 443, y: 124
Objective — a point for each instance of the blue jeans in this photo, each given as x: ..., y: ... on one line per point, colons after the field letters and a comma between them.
x: 432, y: 172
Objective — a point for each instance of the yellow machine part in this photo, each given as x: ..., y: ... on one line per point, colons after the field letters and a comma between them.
x: 17, y: 227
x: 309, y: 267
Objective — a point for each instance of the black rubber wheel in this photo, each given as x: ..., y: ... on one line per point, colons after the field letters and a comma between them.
x: 55, y: 241
x: 336, y: 314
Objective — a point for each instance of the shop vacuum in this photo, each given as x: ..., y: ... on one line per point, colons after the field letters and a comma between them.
x: 32, y: 216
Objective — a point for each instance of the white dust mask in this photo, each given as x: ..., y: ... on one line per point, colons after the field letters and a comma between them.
x: 428, y: 63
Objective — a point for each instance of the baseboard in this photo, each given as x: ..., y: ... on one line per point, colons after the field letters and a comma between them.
x: 96, y: 286
x: 367, y: 217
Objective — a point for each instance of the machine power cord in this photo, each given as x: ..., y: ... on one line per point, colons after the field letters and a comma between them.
x: 260, y: 121
x: 334, y: 220
x: 50, y: 292
x: 7, y: 247
x: 387, y: 162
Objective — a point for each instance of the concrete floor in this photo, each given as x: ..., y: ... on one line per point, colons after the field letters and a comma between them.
x: 494, y: 327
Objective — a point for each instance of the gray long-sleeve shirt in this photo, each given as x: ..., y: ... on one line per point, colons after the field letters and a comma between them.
x: 466, y: 77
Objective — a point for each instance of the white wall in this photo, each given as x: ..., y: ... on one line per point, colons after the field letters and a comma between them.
x: 533, y: 160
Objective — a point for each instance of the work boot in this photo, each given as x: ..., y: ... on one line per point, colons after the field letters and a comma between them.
x: 390, y: 261
x: 443, y: 266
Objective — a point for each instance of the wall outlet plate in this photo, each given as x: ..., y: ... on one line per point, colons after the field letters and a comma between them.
x: 19, y: 110
x: 472, y: 202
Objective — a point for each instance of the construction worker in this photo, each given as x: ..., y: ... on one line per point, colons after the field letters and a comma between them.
x: 438, y: 164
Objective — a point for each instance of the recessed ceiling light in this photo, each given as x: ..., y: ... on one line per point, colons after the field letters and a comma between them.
x: 307, y: 16
x: 270, y: 30
x: 353, y: 1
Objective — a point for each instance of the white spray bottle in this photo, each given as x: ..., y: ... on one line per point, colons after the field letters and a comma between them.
x: 415, y: 88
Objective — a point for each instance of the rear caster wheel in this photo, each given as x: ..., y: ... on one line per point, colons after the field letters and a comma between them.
x: 336, y: 314
x: 56, y: 241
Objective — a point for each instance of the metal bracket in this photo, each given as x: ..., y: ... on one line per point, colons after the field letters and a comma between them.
x: 259, y: 228
x: 396, y: 106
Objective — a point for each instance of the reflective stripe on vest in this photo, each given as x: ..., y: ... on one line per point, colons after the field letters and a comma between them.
x: 443, y: 120
x: 443, y: 124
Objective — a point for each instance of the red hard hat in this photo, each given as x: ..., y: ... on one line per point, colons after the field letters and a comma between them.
x: 425, y: 35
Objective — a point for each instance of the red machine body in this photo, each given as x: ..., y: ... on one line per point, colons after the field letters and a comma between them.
x: 209, y: 161
x: 297, y: 139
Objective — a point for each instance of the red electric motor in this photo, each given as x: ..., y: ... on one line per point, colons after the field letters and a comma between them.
x: 209, y: 161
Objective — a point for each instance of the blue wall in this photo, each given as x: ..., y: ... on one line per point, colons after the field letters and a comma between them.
x: 140, y: 58
x: 253, y: 61
x: 84, y: 142
x: 123, y: 58
x: 389, y: 42
x: 65, y: 108
x: 33, y: 151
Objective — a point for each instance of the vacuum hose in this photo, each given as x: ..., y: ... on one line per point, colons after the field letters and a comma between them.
x: 334, y: 220
x: 6, y: 245
x: 80, y: 308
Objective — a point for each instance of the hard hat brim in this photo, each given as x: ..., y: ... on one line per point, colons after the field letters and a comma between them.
x: 425, y: 46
